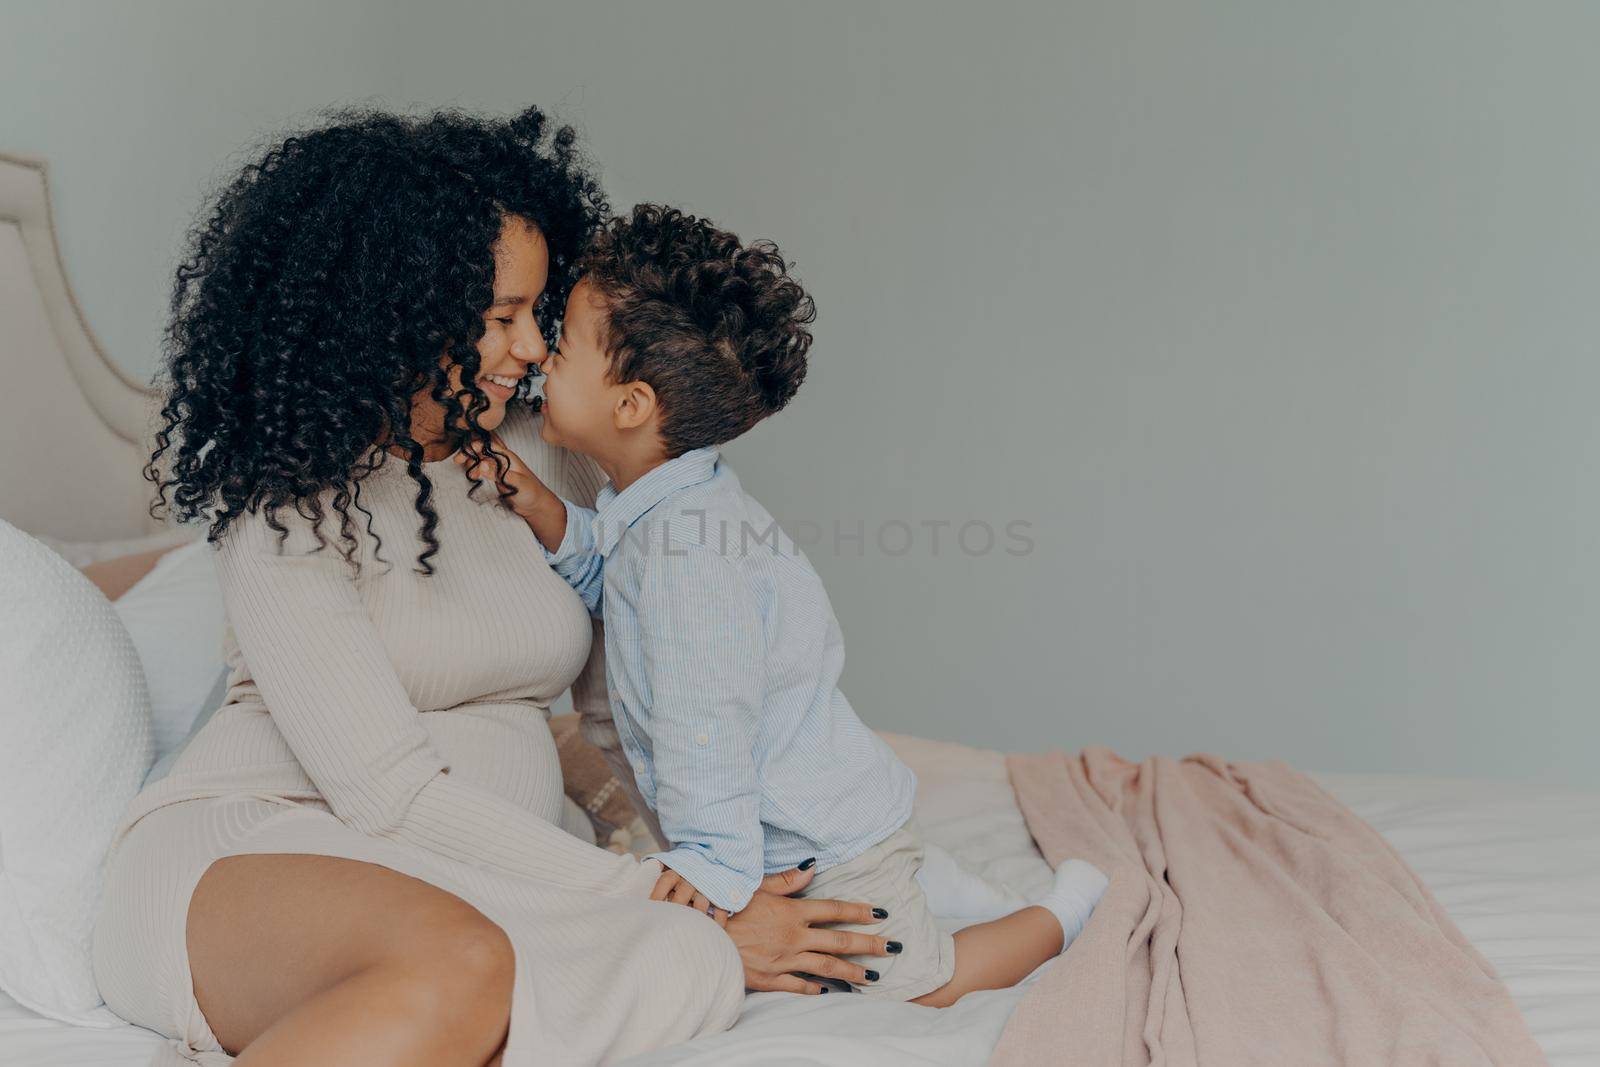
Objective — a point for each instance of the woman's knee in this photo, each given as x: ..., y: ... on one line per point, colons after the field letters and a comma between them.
x: 311, y: 923
x: 448, y: 987
x: 463, y: 970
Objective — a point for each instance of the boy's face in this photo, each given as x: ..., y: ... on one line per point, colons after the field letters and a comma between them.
x: 579, y: 398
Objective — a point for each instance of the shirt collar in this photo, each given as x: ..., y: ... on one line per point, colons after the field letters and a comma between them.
x: 615, y: 512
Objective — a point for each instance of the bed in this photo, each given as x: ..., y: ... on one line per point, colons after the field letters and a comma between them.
x: 1516, y: 866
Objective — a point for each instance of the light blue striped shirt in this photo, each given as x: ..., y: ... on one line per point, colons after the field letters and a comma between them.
x: 722, y: 660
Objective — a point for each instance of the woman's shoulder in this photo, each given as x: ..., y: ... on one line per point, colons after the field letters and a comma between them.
x: 293, y: 529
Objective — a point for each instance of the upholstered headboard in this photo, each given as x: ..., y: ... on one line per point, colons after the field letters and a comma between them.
x: 74, y: 430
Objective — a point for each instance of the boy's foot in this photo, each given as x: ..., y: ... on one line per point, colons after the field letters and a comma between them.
x: 1079, y: 887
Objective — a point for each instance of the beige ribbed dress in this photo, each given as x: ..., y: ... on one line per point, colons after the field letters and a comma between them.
x: 349, y: 697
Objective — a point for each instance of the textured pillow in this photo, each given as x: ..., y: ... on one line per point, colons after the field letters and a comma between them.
x: 175, y: 616
x: 74, y: 745
x: 589, y: 783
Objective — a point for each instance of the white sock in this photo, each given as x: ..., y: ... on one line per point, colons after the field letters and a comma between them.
x: 1079, y: 886
x: 954, y: 892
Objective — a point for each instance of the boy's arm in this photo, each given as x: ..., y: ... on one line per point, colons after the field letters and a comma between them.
x: 575, y: 556
x: 703, y: 646
x: 575, y: 477
x: 564, y: 529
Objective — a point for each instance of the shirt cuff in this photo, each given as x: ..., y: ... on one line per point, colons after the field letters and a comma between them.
x: 723, y: 886
x: 577, y: 543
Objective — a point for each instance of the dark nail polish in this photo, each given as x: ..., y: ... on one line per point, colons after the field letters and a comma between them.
x: 824, y: 989
x: 872, y: 976
x: 894, y: 948
x: 879, y: 913
x: 808, y: 864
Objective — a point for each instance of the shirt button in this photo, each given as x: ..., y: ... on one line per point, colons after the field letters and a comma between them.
x: 614, y: 695
x: 701, y: 739
x: 638, y: 768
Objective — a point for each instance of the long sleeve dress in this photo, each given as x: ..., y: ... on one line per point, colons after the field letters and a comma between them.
x: 397, y: 719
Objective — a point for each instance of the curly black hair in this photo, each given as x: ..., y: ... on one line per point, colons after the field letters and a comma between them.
x: 718, y: 329
x: 320, y: 291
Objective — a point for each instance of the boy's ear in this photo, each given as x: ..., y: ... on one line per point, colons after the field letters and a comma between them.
x: 635, y: 406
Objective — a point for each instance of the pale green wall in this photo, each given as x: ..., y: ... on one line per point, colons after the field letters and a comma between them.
x: 1276, y: 320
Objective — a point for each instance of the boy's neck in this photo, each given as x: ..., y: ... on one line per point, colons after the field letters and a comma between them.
x: 627, y: 464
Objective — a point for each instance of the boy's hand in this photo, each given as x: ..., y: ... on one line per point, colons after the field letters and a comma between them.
x: 530, y: 498
x: 522, y: 482
x: 674, y: 888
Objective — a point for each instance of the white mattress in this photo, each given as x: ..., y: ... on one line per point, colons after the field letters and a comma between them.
x: 1517, y: 867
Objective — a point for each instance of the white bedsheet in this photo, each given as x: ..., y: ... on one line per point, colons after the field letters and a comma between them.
x: 1517, y: 867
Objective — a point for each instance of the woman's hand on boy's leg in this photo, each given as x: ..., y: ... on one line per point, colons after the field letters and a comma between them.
x: 777, y: 935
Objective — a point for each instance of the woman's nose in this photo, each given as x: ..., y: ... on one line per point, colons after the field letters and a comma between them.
x: 533, y: 351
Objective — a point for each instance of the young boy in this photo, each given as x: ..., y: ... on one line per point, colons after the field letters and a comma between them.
x: 722, y: 652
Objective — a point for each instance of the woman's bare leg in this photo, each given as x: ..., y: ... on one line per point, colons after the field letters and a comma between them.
x: 999, y: 954
x: 301, y: 960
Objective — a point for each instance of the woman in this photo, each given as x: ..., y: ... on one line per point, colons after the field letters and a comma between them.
x: 355, y: 861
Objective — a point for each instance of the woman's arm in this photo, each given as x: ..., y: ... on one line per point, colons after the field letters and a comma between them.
x: 326, y: 678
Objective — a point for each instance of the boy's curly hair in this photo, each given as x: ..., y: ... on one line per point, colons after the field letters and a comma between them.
x: 718, y: 329
x: 320, y: 290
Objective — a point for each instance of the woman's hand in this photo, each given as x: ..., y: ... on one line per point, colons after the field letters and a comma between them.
x: 775, y: 935
x: 529, y: 497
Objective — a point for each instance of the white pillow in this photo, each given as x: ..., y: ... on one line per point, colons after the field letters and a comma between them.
x: 74, y: 745
x: 175, y: 616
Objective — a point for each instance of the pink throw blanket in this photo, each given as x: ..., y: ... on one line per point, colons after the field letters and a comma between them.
x: 1251, y: 919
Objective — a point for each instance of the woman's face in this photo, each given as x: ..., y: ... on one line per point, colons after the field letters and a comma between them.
x: 511, y: 341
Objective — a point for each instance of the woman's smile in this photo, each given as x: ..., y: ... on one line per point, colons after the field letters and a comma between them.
x: 500, y: 386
